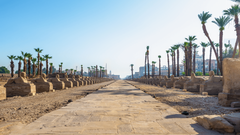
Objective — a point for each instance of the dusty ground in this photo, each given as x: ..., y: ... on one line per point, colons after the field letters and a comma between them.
x: 193, y: 103
x: 28, y: 109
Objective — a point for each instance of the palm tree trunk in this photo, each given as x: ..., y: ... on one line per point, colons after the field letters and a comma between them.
x: 235, y: 48
x: 46, y: 66
x: 217, y: 65
x: 190, y: 58
x: 168, y: 65
x: 220, y: 49
x: 159, y: 67
x: 186, y: 61
x: 177, y: 62
x: 174, y: 64
x: 34, y: 69
x: 145, y: 66
x: 132, y: 71
x: 29, y: 67
x: 38, y: 64
x: 152, y: 71
x: 148, y: 66
x: 19, y: 68
x: 194, y: 62
x: 203, y: 61
x: 41, y: 65
x: 210, y: 60
x: 209, y: 39
x: 25, y: 65
x: 12, y: 67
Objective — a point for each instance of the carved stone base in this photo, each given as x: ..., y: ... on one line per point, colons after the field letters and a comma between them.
x: 225, y: 99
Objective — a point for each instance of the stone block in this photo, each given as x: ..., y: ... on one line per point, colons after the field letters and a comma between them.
x: 2, y: 93
x: 235, y: 104
x: 215, y: 122
x: 234, y: 119
x: 231, y: 84
x: 20, y: 86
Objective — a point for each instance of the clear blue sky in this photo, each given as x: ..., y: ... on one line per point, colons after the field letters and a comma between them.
x: 96, y: 32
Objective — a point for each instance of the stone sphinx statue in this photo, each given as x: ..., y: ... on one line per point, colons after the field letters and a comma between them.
x: 193, y: 85
x: 57, y: 83
x: 180, y: 83
x: 20, y: 86
x: 213, y: 85
x: 42, y: 85
x: 79, y: 79
x: 75, y: 82
x: 163, y: 81
x: 67, y: 82
x: 170, y: 82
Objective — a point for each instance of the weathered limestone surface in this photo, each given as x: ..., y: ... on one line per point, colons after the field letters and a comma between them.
x: 57, y: 83
x: 79, y: 79
x: 42, y: 85
x: 234, y: 119
x: 20, y: 86
x: 163, y: 81
x: 180, y: 83
x: 215, y: 122
x: 68, y: 83
x: 231, y: 85
x: 213, y: 86
x: 2, y: 93
x: 193, y: 85
x: 169, y: 83
x: 118, y: 109
x: 75, y: 82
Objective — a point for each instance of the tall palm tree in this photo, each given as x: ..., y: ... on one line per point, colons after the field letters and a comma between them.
x: 81, y: 70
x: 88, y: 71
x: 71, y: 71
x: 132, y: 70
x: 11, y: 57
x: 145, y: 64
x: 75, y: 72
x: 100, y: 71
x: 185, y: 47
x: 20, y: 58
x: 38, y: 50
x: 34, y: 66
x: 195, y: 46
x: 173, y: 48
x: 59, y: 70
x: 66, y: 70
x: 172, y: 60
x: 204, y: 16
x: 226, y: 47
x: 190, y: 39
x: 233, y: 12
x: 204, y: 45
x: 210, y: 58
x: 221, y: 22
x: 159, y: 57
x: 148, y: 61
x: 177, y: 48
x: 48, y: 57
x: 24, y: 61
x: 153, y: 68
x: 29, y: 56
x: 61, y: 66
x: 41, y: 64
x: 167, y: 51
x: 217, y: 45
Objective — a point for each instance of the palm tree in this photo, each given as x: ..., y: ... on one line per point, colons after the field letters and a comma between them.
x: 217, y: 45
x: 100, y: 71
x: 11, y: 57
x: 226, y: 47
x: 153, y: 68
x: 185, y: 47
x: 66, y: 70
x: 24, y: 61
x: 190, y: 39
x: 167, y: 51
x: 34, y: 66
x: 210, y: 58
x: 81, y: 70
x: 47, y: 57
x: 20, y: 58
x: 96, y: 71
x: 38, y: 50
x: 204, y: 16
x: 204, y: 45
x: 75, y: 72
x: 233, y: 12
x: 88, y: 71
x: 177, y: 48
x: 41, y: 65
x: 159, y: 57
x: 172, y: 61
x: 148, y: 60
x: 71, y: 71
x: 195, y: 46
x: 61, y: 66
x: 29, y: 56
x: 132, y: 70
x: 221, y: 22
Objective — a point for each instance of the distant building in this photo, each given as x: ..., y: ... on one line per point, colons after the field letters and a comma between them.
x: 116, y: 77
